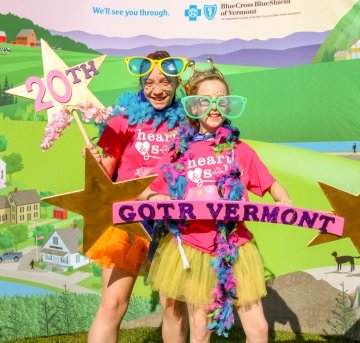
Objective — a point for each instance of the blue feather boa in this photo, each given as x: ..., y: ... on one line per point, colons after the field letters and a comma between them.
x: 224, y: 294
x: 138, y: 109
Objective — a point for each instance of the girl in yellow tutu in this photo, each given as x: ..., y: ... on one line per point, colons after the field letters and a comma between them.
x: 212, y: 266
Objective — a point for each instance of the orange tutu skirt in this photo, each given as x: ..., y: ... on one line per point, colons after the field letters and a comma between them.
x: 115, y: 249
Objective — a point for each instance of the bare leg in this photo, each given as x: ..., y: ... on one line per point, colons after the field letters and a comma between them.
x: 117, y: 288
x: 175, y: 323
x: 254, y: 323
x: 199, y: 333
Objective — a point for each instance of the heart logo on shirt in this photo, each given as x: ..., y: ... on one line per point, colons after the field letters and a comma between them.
x: 142, y: 147
x: 195, y: 175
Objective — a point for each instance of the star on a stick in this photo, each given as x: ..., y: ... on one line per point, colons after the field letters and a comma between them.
x: 95, y: 201
x: 77, y: 78
x: 345, y: 205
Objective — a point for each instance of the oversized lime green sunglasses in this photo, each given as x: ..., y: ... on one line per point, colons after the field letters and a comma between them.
x: 229, y: 106
x: 169, y: 66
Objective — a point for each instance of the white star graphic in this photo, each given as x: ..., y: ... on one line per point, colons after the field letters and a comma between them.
x: 61, y: 85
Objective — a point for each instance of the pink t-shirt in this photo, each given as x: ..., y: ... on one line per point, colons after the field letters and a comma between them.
x: 201, y: 172
x: 138, y: 148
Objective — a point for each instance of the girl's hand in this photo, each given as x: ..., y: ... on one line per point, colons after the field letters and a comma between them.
x: 286, y: 202
x: 94, y: 151
x: 157, y: 197
x: 280, y: 195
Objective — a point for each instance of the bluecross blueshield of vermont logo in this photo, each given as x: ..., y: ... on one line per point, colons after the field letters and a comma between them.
x: 193, y: 12
x: 210, y: 11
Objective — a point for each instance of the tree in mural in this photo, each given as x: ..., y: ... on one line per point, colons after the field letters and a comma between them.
x: 42, y: 315
x: 20, y: 233
x: 3, y: 143
x: 342, y: 316
x: 7, y: 240
x: 69, y: 318
x: 48, y: 316
x: 14, y: 163
x: 43, y: 204
x: 97, y: 270
x: 43, y: 230
x: 328, y: 56
x: 15, y: 323
x: 25, y: 113
x: 5, y: 98
x: 79, y: 222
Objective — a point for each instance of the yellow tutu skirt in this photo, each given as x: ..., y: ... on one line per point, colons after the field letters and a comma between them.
x: 114, y: 249
x: 195, y: 285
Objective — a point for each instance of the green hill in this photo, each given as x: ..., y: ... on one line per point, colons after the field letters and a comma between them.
x: 346, y: 31
x: 112, y: 80
x: 12, y: 24
x: 309, y: 103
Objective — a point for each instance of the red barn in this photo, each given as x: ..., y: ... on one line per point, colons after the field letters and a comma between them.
x: 59, y: 213
x: 3, y: 37
x: 26, y: 37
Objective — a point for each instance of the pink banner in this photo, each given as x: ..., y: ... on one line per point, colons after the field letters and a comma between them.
x: 227, y: 211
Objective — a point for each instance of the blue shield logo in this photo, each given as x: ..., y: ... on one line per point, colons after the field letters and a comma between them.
x: 210, y: 11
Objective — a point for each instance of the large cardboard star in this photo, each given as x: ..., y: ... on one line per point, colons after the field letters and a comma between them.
x: 345, y: 205
x: 77, y: 79
x: 95, y: 201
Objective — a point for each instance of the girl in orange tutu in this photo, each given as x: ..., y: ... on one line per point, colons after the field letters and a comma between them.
x: 133, y: 141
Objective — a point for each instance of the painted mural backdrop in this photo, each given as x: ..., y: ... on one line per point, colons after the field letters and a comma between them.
x: 297, y: 62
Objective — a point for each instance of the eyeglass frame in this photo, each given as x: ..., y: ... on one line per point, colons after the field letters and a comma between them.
x: 153, y: 62
x: 213, y: 100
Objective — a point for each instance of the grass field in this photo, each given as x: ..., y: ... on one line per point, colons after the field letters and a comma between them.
x: 307, y: 103
x: 153, y: 335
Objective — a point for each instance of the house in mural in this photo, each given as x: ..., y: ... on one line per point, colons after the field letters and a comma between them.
x: 61, y: 249
x: 341, y: 55
x: 59, y: 213
x: 2, y: 174
x: 355, y: 49
x: 3, y: 37
x: 26, y: 37
x: 351, y: 54
x: 25, y: 206
x: 4, y: 210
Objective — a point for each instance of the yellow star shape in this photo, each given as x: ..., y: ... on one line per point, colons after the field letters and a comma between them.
x: 95, y: 201
x: 345, y: 205
x: 78, y: 83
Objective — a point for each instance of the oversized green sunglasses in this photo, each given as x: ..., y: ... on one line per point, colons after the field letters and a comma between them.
x: 229, y: 106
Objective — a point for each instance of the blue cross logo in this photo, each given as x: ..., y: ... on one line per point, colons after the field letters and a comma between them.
x: 192, y: 12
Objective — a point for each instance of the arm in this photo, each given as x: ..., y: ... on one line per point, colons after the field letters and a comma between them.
x: 150, y: 195
x: 107, y: 162
x: 158, y: 190
x: 280, y: 195
x: 113, y: 141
